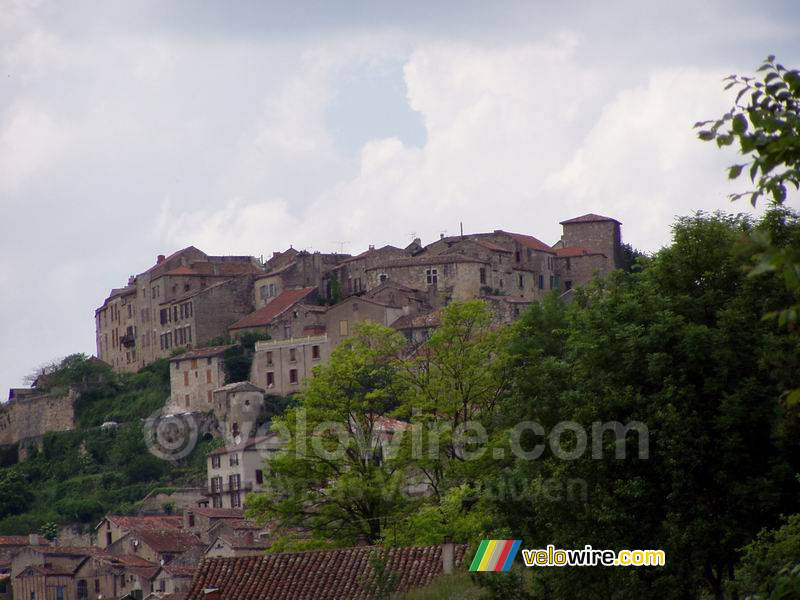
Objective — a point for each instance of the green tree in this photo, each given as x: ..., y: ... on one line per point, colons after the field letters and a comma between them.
x: 680, y: 347
x: 334, y: 478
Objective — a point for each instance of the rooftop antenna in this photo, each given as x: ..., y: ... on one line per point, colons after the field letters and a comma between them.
x: 341, y: 246
x: 461, y: 223
x: 413, y: 235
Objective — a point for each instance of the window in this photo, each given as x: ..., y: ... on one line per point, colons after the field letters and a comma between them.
x: 191, y: 519
x: 343, y: 328
x: 270, y: 379
x: 292, y: 355
x: 293, y: 376
x: 483, y: 276
x: 234, y: 458
x: 517, y: 256
x: 521, y: 281
x: 355, y: 306
x: 216, y: 501
x: 541, y: 282
x: 269, y: 358
x: 287, y: 331
x: 569, y: 264
x: 383, y: 277
x: 432, y: 276
x: 567, y: 286
x: 209, y: 396
x: 188, y: 402
x: 162, y: 585
x: 315, y: 352
x: 109, y: 539
x: 60, y: 592
x: 83, y: 590
x: 263, y: 292
x: 236, y: 500
x: 164, y: 316
x: 96, y: 586
x: 186, y: 378
x: 215, y: 461
x: 216, y: 483
x: 208, y: 375
x: 194, y: 363
x: 557, y: 281
x: 235, y: 482
x: 259, y: 476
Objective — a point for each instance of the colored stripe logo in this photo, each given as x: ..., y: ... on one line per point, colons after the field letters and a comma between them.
x: 495, y: 555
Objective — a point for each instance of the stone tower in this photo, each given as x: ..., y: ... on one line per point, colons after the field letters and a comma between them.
x: 596, y: 232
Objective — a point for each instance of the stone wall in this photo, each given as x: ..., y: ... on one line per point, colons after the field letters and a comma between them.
x: 34, y: 416
x: 601, y: 236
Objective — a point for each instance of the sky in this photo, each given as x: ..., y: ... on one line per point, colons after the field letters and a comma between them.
x: 134, y: 128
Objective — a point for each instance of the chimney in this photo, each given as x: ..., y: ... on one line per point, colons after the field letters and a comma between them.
x: 417, y: 241
x: 372, y: 246
x: 131, y: 280
x: 441, y: 236
x: 33, y: 539
x: 212, y: 594
x: 160, y: 258
x: 448, y: 557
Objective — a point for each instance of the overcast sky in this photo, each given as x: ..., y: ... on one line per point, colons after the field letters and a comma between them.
x: 131, y: 129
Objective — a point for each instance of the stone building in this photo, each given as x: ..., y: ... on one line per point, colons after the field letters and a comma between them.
x: 281, y: 366
x: 234, y: 472
x: 291, y: 270
x: 114, y: 527
x: 239, y: 406
x: 596, y: 233
x: 350, y: 275
x: 284, y: 317
x: 193, y: 377
x: 30, y: 414
x: 341, y: 318
x: 136, y: 324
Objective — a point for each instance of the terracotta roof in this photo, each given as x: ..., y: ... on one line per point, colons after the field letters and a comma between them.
x: 218, y: 513
x: 129, y: 563
x: 264, y: 315
x: 316, y: 575
x: 573, y: 251
x: 281, y: 269
x: 166, y: 541
x: 179, y: 570
x: 13, y: 540
x: 151, y: 522
x: 66, y: 550
x: 529, y: 241
x: 203, y: 352
x: 491, y: 246
x: 588, y: 218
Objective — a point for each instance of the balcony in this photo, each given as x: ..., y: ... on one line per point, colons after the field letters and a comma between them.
x: 227, y: 488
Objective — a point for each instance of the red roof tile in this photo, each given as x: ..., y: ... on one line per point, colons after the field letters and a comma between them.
x: 573, y: 251
x: 264, y: 315
x: 530, y: 242
x: 13, y: 540
x: 316, y: 575
x: 166, y: 541
x: 218, y: 513
x: 151, y: 523
x: 588, y: 218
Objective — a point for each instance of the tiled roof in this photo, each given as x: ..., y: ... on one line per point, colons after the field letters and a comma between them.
x: 66, y: 550
x: 13, y: 540
x: 588, y: 218
x: 151, y: 523
x: 218, y: 513
x: 530, y: 242
x: 202, y: 352
x: 179, y: 570
x: 316, y: 575
x: 265, y: 314
x: 166, y: 541
x: 388, y: 249
x: 243, y: 542
x: 573, y: 251
x: 239, y: 386
x: 50, y: 570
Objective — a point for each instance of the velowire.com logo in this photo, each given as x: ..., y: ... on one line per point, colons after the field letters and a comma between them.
x: 495, y: 555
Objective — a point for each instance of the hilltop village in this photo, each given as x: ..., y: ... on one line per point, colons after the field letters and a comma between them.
x: 192, y: 309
